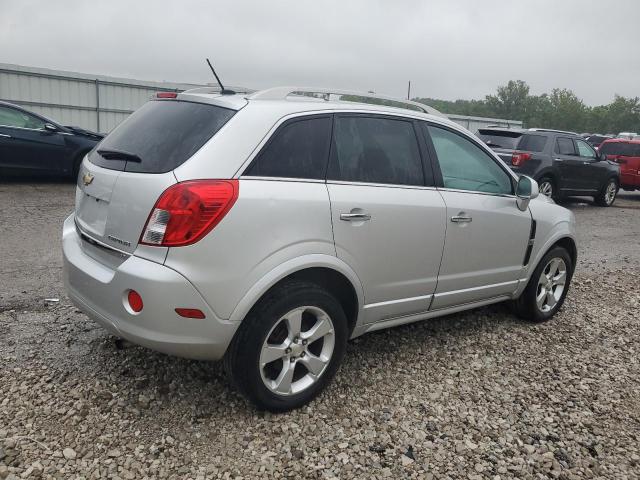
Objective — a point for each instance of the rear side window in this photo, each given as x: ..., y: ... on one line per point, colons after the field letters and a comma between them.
x: 565, y: 146
x: 532, y: 143
x: 375, y: 150
x: 299, y: 149
x: 465, y: 166
x: 162, y: 134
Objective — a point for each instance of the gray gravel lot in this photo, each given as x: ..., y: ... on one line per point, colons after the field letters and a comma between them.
x: 473, y: 395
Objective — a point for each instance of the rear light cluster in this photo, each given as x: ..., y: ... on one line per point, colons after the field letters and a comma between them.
x: 518, y: 158
x: 187, y: 211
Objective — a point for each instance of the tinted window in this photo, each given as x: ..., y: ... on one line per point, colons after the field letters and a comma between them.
x: 584, y: 150
x: 532, y: 143
x: 499, y: 139
x: 16, y: 118
x: 596, y: 140
x: 163, y: 134
x: 564, y: 146
x: 621, y: 148
x: 375, y: 150
x: 465, y: 166
x: 298, y: 150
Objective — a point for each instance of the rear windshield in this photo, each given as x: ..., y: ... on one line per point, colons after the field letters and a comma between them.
x: 621, y: 148
x: 499, y: 139
x: 160, y: 136
x: 532, y: 143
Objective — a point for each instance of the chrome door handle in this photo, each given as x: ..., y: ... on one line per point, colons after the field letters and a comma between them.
x: 5, y: 135
x: 461, y: 219
x: 355, y: 217
x: 558, y: 159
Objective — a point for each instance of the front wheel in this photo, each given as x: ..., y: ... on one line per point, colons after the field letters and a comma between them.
x: 608, y: 194
x: 547, y: 288
x: 289, y: 347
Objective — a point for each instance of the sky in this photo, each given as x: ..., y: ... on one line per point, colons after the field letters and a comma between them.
x: 448, y: 49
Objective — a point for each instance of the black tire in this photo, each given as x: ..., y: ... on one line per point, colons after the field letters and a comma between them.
x: 243, y: 355
x: 555, y: 195
x: 602, y: 198
x: 526, y: 306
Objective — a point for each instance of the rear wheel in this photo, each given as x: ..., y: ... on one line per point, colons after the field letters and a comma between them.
x: 608, y: 194
x: 289, y: 347
x: 547, y: 287
x: 547, y: 187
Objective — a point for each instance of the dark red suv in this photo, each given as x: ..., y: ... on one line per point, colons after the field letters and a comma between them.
x: 627, y: 154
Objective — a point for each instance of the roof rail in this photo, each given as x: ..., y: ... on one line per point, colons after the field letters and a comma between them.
x: 551, y: 130
x: 216, y: 89
x: 281, y: 93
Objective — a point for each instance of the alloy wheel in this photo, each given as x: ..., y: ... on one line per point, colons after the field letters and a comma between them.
x: 551, y: 284
x: 610, y: 193
x: 546, y: 188
x: 297, y: 350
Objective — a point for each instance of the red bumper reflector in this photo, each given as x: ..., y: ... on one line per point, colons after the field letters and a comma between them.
x: 190, y: 312
x: 135, y: 301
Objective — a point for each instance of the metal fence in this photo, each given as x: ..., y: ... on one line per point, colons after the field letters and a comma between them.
x: 95, y: 102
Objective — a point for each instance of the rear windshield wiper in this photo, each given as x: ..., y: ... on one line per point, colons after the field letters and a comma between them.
x: 119, y: 155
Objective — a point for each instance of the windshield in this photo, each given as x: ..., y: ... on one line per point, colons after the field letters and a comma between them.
x: 500, y: 139
x: 160, y: 136
x: 621, y: 148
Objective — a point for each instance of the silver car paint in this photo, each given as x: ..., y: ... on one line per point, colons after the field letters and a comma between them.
x: 280, y: 226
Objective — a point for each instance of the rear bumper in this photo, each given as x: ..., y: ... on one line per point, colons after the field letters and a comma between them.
x: 101, y: 291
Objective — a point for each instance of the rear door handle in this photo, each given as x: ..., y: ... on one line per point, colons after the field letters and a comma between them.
x: 355, y: 217
x: 558, y: 159
x: 461, y: 219
x: 4, y: 135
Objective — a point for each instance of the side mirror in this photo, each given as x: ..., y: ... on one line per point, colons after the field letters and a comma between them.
x: 50, y: 128
x: 526, y: 190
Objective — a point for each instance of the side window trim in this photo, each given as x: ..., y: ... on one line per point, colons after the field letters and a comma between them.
x: 275, y: 132
x: 435, y: 164
x: 421, y: 151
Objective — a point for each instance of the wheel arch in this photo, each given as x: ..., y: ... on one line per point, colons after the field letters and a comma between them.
x: 329, y: 273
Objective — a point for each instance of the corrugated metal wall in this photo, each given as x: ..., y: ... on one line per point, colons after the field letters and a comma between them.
x: 99, y: 103
x: 474, y: 123
x: 95, y: 102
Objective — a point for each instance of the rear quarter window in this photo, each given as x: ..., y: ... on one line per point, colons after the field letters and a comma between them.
x: 532, y: 143
x: 163, y: 134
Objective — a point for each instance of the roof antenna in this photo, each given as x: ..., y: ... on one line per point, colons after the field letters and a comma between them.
x: 223, y: 91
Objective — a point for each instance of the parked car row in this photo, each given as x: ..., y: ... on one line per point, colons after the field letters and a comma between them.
x: 562, y: 163
x: 31, y: 144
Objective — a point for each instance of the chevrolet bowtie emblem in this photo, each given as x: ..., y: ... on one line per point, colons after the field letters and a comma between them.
x: 87, y: 178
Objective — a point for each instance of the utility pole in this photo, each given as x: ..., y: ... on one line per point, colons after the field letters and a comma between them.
x: 409, y: 91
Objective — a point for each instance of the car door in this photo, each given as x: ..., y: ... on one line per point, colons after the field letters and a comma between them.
x: 26, y: 146
x: 569, y: 164
x: 487, y: 234
x: 592, y: 173
x: 388, y: 218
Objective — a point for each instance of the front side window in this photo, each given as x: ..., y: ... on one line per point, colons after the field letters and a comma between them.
x: 299, y: 149
x: 585, y: 150
x: 465, y: 166
x: 565, y: 146
x: 375, y: 150
x: 10, y: 117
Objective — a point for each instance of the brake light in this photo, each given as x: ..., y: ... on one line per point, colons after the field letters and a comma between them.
x: 166, y: 95
x: 518, y: 158
x: 187, y: 211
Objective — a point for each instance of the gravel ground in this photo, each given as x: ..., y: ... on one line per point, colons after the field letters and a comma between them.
x: 473, y: 395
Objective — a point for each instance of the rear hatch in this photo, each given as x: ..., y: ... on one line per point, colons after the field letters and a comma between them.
x: 123, y: 177
x: 503, y: 142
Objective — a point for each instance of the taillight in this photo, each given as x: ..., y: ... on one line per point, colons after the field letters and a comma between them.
x: 518, y: 158
x: 166, y: 95
x: 187, y: 211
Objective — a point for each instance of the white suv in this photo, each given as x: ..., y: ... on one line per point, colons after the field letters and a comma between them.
x: 269, y: 228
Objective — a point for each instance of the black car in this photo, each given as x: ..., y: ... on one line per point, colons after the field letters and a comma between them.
x: 32, y: 145
x: 562, y: 163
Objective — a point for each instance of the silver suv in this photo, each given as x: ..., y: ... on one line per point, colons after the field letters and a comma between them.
x: 267, y: 229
